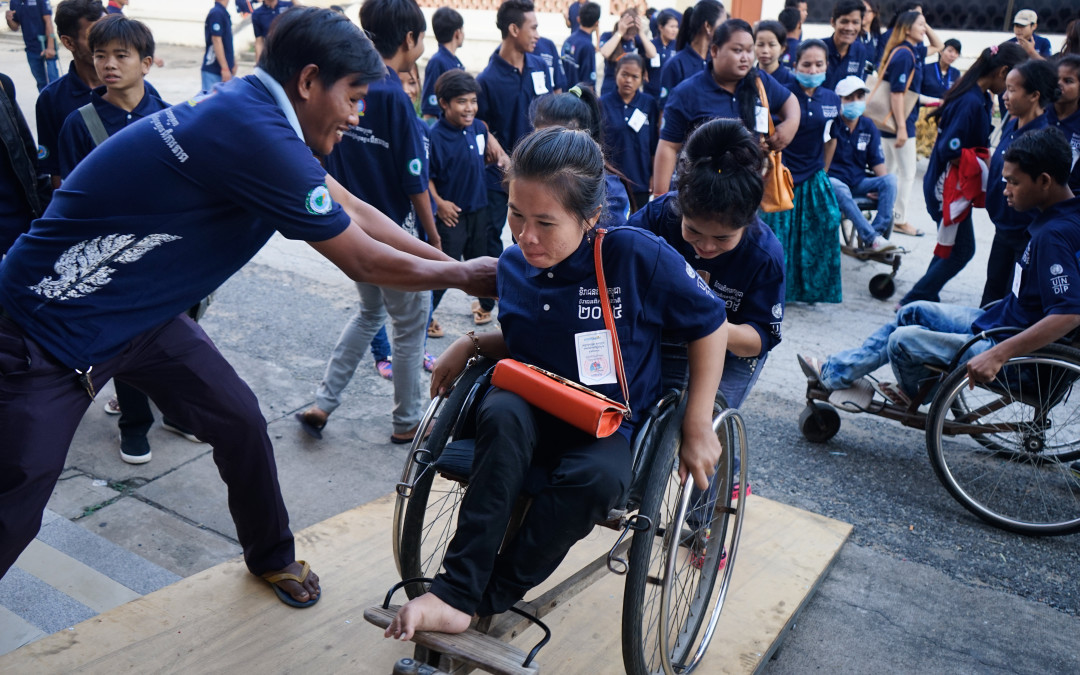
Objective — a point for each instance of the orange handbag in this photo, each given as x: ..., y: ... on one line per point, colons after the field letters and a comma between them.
x: 779, y: 185
x: 571, y: 402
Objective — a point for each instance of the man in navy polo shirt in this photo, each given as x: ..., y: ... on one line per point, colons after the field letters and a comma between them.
x: 847, y: 54
x: 625, y: 39
x: 95, y: 289
x: 219, y: 60
x: 381, y: 160
x: 449, y: 29
x: 578, y: 52
x: 261, y: 19
x: 1025, y: 23
x: 34, y: 17
x: 547, y: 50
x: 1045, y: 302
x: 513, y: 77
x: 858, y: 148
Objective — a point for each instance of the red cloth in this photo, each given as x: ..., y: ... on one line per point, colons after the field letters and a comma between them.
x: 964, y: 187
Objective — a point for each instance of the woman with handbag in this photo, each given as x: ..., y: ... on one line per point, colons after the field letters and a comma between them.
x: 552, y: 315
x: 964, y: 126
x: 808, y: 231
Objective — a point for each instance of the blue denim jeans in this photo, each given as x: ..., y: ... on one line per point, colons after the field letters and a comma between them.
x: 885, y: 186
x: 209, y: 80
x: 380, y: 345
x: 44, y: 70
x: 923, y: 333
x: 941, y: 270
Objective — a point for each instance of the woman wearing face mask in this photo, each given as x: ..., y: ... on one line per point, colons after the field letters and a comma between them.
x: 808, y: 231
x: 728, y: 90
x: 964, y: 126
x: 770, y: 41
x: 1030, y: 89
x: 691, y: 45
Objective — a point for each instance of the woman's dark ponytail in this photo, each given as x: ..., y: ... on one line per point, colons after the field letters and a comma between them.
x: 568, y: 161
x: 1007, y: 54
x: 694, y: 20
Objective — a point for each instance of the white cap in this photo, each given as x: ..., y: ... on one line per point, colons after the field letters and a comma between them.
x: 849, y: 85
x: 1026, y: 17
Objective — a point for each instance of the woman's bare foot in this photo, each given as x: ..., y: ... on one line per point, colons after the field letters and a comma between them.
x: 427, y: 612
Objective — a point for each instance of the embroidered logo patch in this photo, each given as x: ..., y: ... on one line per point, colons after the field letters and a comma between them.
x: 319, y: 201
x: 217, y: 26
x: 954, y: 144
x: 361, y: 107
x: 433, y: 100
x: 1056, y: 269
x: 42, y: 152
x: 777, y: 310
x: 415, y: 166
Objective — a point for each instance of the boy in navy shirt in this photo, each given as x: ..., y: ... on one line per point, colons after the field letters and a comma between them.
x: 791, y: 20
x: 381, y: 160
x: 458, y: 183
x: 547, y: 50
x: 449, y: 29
x: 1025, y: 23
x: 35, y: 19
x: 513, y: 77
x: 625, y: 39
x: 219, y: 60
x: 847, y: 55
x: 858, y: 148
x: 1045, y: 302
x: 261, y: 19
x: 96, y: 288
x: 578, y: 52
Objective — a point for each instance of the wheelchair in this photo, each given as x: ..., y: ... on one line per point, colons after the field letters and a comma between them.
x: 677, y: 573
x: 882, y: 286
x: 1008, y: 450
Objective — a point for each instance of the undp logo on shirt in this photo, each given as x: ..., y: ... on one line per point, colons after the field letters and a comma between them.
x: 319, y: 201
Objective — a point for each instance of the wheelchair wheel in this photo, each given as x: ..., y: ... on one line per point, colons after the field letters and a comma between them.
x: 882, y: 286
x: 425, y: 515
x: 1006, y: 449
x: 819, y: 422
x: 680, y: 566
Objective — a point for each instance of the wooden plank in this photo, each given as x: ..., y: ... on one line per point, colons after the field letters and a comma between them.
x: 225, y: 619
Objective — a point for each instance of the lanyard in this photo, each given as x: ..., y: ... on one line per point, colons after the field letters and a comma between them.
x: 945, y: 81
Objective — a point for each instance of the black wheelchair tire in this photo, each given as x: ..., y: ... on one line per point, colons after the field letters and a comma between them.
x: 819, y: 422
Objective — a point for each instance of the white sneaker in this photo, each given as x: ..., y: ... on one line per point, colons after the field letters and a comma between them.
x: 881, y: 244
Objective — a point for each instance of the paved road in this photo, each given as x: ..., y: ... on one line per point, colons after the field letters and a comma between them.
x: 921, y: 585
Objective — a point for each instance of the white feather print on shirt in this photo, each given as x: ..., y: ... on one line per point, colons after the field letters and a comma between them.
x: 84, y: 268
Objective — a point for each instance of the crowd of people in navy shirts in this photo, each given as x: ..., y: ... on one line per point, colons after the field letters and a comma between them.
x: 685, y: 107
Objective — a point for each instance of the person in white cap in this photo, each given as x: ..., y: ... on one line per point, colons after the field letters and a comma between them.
x: 858, y: 148
x: 1025, y: 23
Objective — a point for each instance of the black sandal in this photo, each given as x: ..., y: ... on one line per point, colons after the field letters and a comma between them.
x: 310, y: 428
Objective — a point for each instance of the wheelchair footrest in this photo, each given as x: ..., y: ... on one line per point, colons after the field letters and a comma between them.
x: 469, y: 648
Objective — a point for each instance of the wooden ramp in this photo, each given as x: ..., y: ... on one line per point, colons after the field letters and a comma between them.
x: 226, y: 620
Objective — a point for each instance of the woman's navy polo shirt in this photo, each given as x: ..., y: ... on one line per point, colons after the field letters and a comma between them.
x: 857, y: 150
x: 906, y: 64
x: 75, y: 140
x: 547, y: 50
x: 700, y: 99
x: 792, y: 47
x: 505, y: 96
x: 30, y: 14
x: 440, y: 62
x: 1070, y: 126
x: 652, y: 290
x: 749, y: 278
x: 631, y: 46
x: 655, y: 66
x: 264, y: 16
x: 784, y: 76
x: 680, y: 67
x: 628, y: 150
x: 381, y: 160
x: 858, y: 56
x: 579, y: 58
x: 1006, y: 219
x: 805, y: 156
x: 616, y: 202
x: 964, y: 123
x: 1050, y: 272
x: 204, y: 188
x: 457, y: 164
x: 934, y: 83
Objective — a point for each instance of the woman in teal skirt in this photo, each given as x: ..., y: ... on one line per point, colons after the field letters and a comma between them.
x: 808, y: 232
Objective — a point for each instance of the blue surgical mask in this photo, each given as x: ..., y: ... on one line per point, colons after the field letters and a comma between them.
x: 808, y: 81
x: 852, y: 111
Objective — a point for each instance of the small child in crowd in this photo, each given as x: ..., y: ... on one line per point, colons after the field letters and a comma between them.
x: 449, y: 29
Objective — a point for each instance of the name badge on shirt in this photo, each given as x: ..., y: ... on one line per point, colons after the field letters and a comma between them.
x: 481, y: 144
x: 654, y: 62
x: 595, y: 358
x: 827, y: 136
x: 761, y: 119
x: 864, y: 140
x: 539, y: 82
x: 637, y: 120
x: 1017, y: 273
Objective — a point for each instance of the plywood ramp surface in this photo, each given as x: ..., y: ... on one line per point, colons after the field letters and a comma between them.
x: 226, y: 620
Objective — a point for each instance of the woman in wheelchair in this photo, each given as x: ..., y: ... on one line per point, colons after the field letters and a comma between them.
x: 548, y: 298
x: 1044, y: 304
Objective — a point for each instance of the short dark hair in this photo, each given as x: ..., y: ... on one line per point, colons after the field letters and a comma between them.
x: 454, y: 83
x: 666, y: 15
x: 512, y: 13
x: 775, y: 27
x: 720, y: 174
x: 388, y: 22
x: 569, y: 162
x: 128, y: 32
x: 67, y: 15
x: 954, y: 43
x: 1043, y: 151
x: 589, y: 14
x: 790, y: 17
x: 628, y: 58
x: 444, y: 23
x: 1040, y: 77
x: 810, y: 44
x: 845, y: 7
x: 310, y: 35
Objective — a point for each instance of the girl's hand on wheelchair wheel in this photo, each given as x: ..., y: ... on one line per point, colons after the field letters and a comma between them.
x: 450, y: 364
x: 699, y: 453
